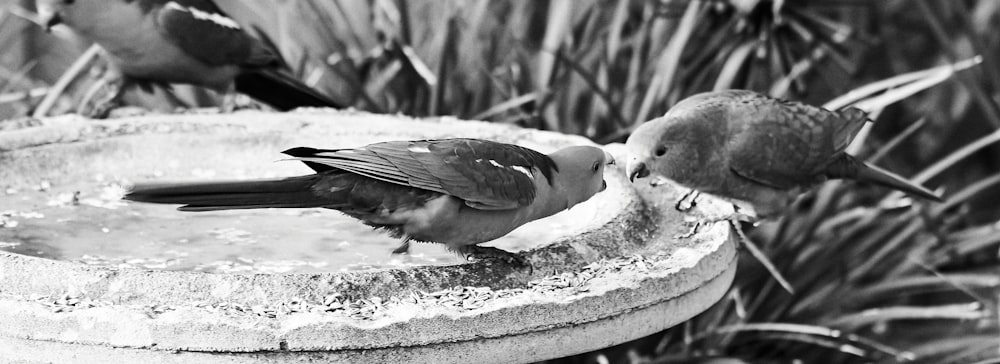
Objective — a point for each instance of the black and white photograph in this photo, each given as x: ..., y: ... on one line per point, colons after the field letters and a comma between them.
x: 500, y: 181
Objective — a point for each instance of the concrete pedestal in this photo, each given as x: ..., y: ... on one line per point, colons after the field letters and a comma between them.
x: 619, y: 276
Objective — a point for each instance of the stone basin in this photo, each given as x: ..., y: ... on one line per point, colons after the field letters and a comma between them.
x: 616, y: 272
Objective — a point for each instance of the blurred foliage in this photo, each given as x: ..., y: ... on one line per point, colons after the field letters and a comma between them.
x: 876, y: 277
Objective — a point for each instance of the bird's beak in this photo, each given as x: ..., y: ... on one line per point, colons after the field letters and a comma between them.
x: 610, y: 159
x: 48, y: 18
x: 636, y: 169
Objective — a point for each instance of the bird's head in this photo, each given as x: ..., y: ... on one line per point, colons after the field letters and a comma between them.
x: 649, y: 146
x: 677, y: 144
x: 580, y: 172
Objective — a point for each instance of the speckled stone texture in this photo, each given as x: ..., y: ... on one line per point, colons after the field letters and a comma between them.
x: 617, y: 277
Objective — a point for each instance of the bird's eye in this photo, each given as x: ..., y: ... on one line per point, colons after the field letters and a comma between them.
x: 661, y: 151
x: 69, y: 2
x: 596, y: 166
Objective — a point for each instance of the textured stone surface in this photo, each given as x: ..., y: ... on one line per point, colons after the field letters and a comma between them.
x: 620, y: 276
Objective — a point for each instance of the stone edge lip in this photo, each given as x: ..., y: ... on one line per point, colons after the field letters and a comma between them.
x: 521, y: 348
x: 654, y: 281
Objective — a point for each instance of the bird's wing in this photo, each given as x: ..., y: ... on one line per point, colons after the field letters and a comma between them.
x: 487, y: 175
x: 784, y: 144
x: 206, y: 33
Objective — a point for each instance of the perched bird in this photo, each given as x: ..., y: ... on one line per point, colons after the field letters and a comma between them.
x: 182, y: 41
x: 457, y: 192
x: 745, y: 146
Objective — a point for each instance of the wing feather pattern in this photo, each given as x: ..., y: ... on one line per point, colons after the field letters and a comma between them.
x: 784, y: 144
x: 487, y: 175
x: 202, y: 30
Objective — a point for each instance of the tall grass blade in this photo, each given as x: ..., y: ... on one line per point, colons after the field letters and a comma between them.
x: 897, y: 140
x: 559, y: 16
x: 592, y: 83
x: 67, y: 77
x: 666, y: 66
x: 801, y: 330
x: 23, y: 95
x: 763, y: 259
x: 936, y: 74
x: 508, y: 105
x: 733, y: 65
x: 967, y: 311
x: 950, y: 160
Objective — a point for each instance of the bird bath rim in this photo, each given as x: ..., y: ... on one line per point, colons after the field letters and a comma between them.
x: 576, y: 282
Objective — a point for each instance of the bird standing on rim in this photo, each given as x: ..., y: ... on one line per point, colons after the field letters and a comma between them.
x: 745, y: 146
x: 181, y: 41
x: 457, y: 192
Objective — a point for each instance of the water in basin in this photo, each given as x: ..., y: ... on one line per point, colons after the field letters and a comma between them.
x: 88, y: 223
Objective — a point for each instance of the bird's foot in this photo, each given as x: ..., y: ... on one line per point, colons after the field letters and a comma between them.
x: 658, y: 181
x: 101, y: 111
x: 476, y: 252
x: 744, y: 215
x: 695, y: 223
x: 739, y: 216
x: 688, y: 201
x: 233, y: 101
x: 103, y: 97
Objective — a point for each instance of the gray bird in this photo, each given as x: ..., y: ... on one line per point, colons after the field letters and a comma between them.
x: 181, y: 41
x: 457, y: 192
x: 745, y: 146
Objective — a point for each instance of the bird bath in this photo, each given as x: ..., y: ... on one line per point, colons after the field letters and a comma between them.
x: 87, y: 277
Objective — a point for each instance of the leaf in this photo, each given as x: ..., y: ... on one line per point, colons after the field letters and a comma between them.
x: 733, y: 65
x: 914, y: 82
x: 508, y: 105
x: 763, y: 259
x: 78, y: 67
x: 666, y: 66
x: 966, y: 311
x: 802, y: 332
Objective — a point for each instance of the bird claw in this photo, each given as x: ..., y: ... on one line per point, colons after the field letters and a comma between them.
x: 99, y: 107
x: 688, y: 201
x: 657, y: 181
x: 696, y: 223
x: 476, y: 252
x: 233, y: 101
x: 739, y: 216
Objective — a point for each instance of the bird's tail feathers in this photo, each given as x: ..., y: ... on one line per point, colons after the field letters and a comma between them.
x: 280, y: 90
x: 851, y: 167
x: 885, y: 178
x: 293, y: 192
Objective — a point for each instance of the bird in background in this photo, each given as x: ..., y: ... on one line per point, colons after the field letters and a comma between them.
x: 181, y: 41
x: 457, y: 192
x: 744, y: 146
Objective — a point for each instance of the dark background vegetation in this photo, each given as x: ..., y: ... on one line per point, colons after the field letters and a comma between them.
x: 877, y: 277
